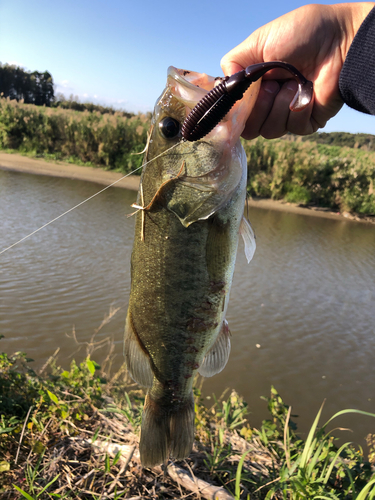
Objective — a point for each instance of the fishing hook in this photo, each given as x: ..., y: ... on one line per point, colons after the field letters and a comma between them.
x: 212, y: 108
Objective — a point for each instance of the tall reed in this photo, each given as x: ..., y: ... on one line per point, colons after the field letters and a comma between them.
x: 106, y: 140
x: 335, y: 177
x: 292, y: 168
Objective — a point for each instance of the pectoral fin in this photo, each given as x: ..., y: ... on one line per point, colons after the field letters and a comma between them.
x: 189, y: 203
x: 196, y: 195
x: 247, y: 233
x: 217, y: 357
x: 136, y: 359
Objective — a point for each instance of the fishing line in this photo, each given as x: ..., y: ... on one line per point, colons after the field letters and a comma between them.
x: 87, y: 199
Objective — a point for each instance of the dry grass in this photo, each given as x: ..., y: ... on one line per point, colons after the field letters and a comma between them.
x: 73, y: 434
x: 99, y: 458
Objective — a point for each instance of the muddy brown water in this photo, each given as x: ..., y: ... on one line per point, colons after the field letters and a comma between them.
x: 302, y: 314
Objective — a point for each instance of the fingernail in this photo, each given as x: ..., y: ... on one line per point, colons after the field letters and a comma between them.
x: 270, y: 86
x: 292, y: 85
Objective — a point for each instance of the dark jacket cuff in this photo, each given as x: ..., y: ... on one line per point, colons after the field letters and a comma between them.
x: 357, y: 78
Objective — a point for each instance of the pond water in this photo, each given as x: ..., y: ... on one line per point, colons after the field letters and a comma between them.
x: 302, y: 314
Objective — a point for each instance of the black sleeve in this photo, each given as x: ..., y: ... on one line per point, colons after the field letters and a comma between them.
x: 357, y: 78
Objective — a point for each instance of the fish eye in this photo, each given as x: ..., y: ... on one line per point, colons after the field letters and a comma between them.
x: 169, y: 127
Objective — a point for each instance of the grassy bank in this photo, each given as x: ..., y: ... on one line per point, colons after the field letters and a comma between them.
x: 73, y: 434
x: 105, y: 140
x: 320, y: 170
x: 306, y: 172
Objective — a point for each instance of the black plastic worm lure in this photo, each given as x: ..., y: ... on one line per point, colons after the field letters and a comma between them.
x: 212, y: 108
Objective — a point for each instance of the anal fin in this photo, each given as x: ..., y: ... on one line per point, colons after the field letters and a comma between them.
x: 137, y: 361
x: 217, y: 357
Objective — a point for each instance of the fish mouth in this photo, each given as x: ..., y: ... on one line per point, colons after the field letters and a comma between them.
x: 193, y: 79
x: 189, y: 87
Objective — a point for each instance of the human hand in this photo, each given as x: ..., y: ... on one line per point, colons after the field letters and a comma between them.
x: 315, y: 39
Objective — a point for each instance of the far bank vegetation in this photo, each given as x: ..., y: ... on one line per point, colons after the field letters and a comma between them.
x: 335, y: 171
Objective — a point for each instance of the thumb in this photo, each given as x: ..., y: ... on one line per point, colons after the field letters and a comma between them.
x: 245, y: 54
x: 230, y: 67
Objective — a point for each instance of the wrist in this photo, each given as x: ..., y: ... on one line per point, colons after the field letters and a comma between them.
x: 350, y: 16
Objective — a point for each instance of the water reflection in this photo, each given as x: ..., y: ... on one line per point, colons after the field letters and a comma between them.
x: 68, y: 274
x: 309, y: 301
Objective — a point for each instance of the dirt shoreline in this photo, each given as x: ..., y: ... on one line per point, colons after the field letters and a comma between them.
x: 19, y: 163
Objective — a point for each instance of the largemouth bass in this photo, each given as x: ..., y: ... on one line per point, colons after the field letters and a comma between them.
x: 189, y: 215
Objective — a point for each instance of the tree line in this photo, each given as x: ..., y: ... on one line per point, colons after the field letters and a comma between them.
x: 38, y: 88
x: 75, y: 104
x: 365, y: 142
x: 30, y: 87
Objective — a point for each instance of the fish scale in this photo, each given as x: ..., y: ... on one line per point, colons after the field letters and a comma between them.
x: 190, y: 207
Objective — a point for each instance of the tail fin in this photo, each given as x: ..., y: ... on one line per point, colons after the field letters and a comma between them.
x: 166, y: 432
x: 182, y: 430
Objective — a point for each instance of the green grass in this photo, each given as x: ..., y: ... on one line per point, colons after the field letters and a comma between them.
x: 48, y: 421
x: 309, y: 173
x: 108, y: 140
x: 317, y: 170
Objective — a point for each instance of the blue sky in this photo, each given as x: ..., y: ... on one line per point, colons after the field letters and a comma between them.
x: 117, y: 52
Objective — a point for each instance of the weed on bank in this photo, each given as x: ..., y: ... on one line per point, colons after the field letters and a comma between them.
x: 314, y: 171
x: 73, y: 434
x: 107, y: 140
